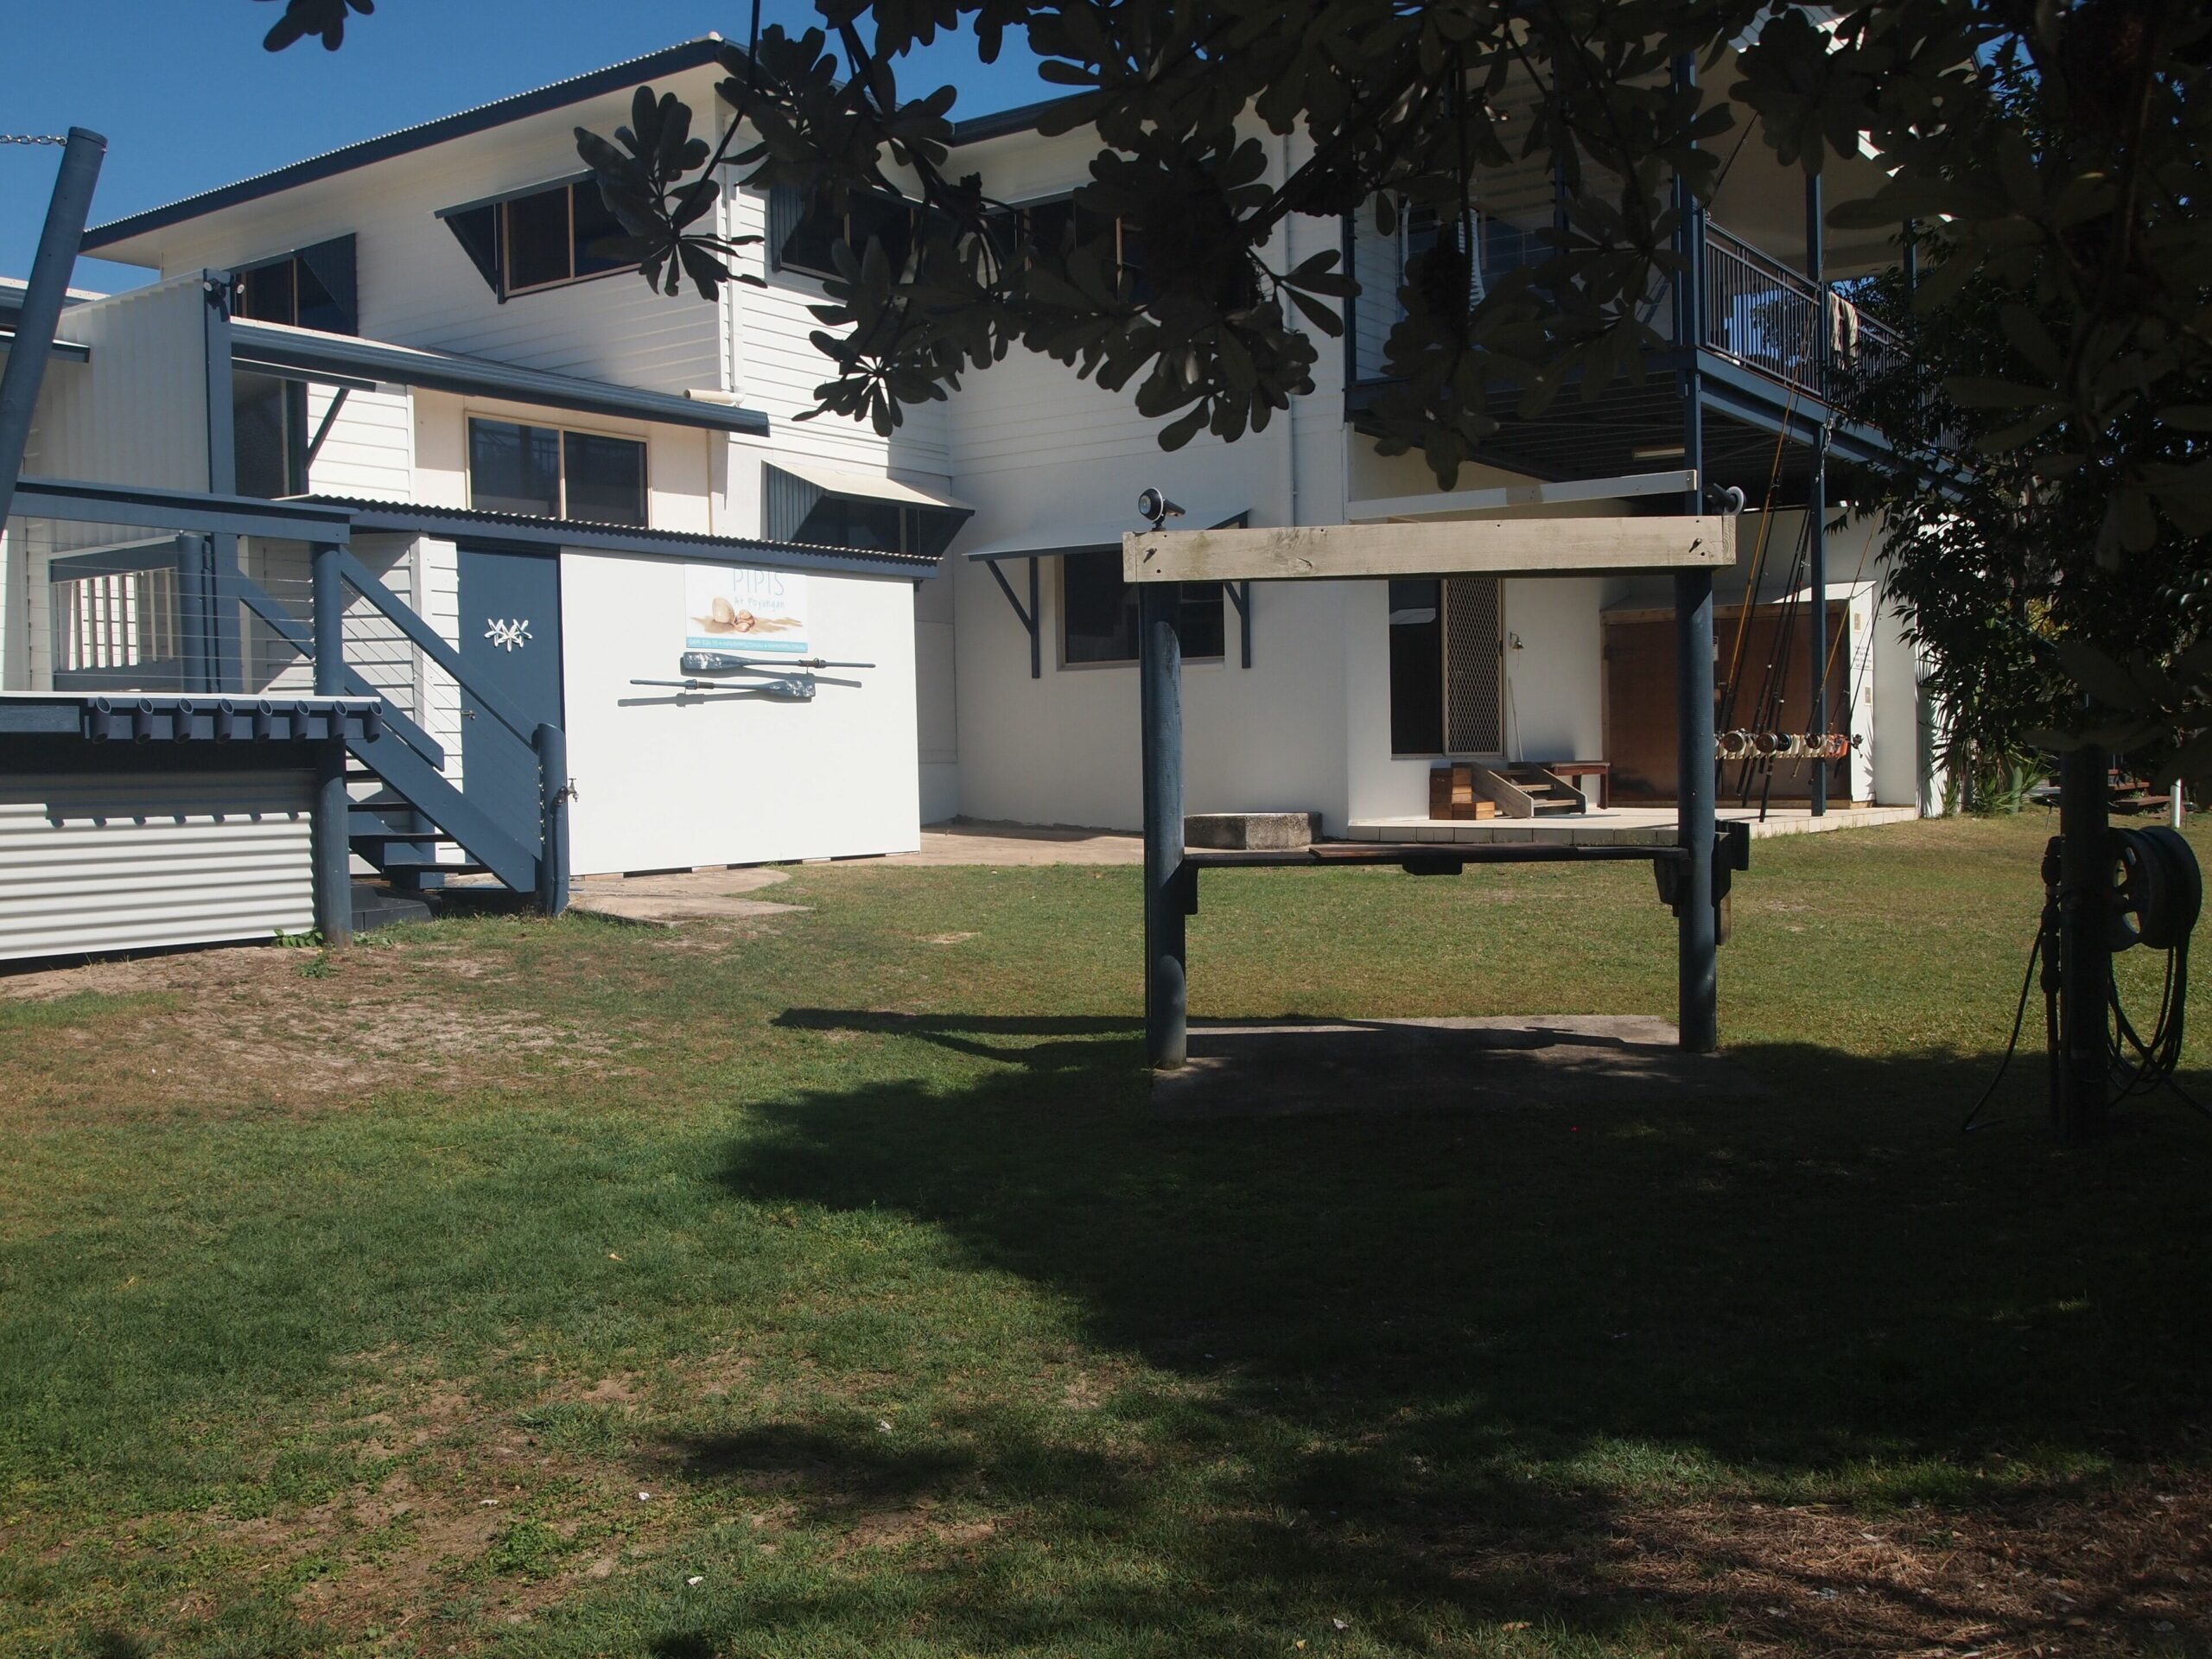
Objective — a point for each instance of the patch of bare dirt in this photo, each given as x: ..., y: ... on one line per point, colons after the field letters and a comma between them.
x: 2126, y: 1571
x: 246, y: 1029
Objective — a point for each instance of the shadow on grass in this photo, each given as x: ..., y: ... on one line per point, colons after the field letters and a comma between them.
x: 1414, y: 1371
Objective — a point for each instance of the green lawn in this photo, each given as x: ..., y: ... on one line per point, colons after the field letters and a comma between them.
x: 826, y: 1287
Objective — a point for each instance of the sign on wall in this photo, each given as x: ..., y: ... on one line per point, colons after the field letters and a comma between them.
x: 729, y: 609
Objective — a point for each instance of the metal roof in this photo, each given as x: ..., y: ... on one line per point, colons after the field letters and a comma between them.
x: 516, y: 529
x: 674, y: 59
x: 308, y: 351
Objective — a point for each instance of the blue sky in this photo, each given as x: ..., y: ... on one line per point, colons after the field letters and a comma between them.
x: 188, y: 98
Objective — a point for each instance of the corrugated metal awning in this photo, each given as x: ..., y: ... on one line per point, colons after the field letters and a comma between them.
x: 835, y: 480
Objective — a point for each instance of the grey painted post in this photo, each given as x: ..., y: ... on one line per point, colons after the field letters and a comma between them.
x: 1696, y: 925
x: 2083, y: 1088
x: 1160, y: 650
x: 332, y: 851
x: 552, y: 746
x: 43, y: 298
x: 1816, y: 496
x: 226, y: 649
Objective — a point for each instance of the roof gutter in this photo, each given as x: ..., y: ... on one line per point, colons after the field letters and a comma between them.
x: 344, y: 358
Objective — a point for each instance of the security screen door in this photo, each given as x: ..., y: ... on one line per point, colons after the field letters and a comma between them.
x: 1474, y: 665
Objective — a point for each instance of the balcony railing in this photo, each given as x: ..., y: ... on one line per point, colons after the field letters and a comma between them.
x: 1758, y: 312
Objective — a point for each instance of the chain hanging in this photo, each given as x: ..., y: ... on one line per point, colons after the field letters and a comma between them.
x: 30, y: 138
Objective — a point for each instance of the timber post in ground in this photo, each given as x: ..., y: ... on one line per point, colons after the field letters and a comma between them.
x: 1160, y: 650
x: 2082, y: 1086
x: 331, y: 841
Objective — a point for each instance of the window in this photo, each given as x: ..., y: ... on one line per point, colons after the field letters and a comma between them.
x: 269, y: 425
x: 797, y: 509
x: 1447, y: 666
x: 1417, y: 666
x: 1099, y: 612
x: 544, y: 473
x: 553, y: 236
x: 311, y: 288
x: 804, y: 228
x: 1064, y: 225
x: 540, y: 239
x: 1500, y: 246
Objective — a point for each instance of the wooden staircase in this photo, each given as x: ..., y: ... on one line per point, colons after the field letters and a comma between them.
x: 1523, y: 791
x: 412, y: 809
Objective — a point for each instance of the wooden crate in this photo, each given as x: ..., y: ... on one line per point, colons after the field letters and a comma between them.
x: 1452, y: 794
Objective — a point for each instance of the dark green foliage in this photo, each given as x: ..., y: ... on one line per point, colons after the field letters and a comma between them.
x: 324, y: 19
x: 2062, y: 149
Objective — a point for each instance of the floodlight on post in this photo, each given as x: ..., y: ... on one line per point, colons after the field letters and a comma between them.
x: 1156, y: 509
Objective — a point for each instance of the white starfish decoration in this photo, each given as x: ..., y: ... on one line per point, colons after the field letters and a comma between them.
x: 508, y: 636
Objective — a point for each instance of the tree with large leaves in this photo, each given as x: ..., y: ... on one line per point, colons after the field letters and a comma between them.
x: 2055, y: 155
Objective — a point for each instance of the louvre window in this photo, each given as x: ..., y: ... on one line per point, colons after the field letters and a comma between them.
x: 1099, y: 612
x: 544, y: 473
x: 312, y: 289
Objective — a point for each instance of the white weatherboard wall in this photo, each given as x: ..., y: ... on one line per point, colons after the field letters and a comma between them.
x: 418, y: 287
x: 137, y: 861
x: 136, y: 413
x: 668, y: 780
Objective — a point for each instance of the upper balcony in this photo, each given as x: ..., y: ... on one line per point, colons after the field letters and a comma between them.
x: 1774, y: 346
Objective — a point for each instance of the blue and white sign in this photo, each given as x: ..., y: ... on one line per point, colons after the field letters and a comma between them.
x: 728, y: 608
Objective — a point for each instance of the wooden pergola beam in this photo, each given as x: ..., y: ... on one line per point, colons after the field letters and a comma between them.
x: 1485, y: 547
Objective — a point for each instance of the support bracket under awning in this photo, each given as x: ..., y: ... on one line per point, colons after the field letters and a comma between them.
x: 1051, y: 541
x: 1027, y: 618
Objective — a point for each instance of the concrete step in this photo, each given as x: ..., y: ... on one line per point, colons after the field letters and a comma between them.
x: 375, y: 907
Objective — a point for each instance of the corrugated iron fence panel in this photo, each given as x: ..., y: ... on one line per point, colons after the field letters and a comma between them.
x: 137, y: 861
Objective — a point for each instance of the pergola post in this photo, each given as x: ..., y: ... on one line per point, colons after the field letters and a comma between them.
x: 331, y: 841
x: 1160, y: 653
x: 1697, y: 990
x: 1816, y: 496
x: 2082, y: 1086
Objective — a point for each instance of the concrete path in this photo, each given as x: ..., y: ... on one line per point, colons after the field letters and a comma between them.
x: 687, y: 896
x: 975, y: 842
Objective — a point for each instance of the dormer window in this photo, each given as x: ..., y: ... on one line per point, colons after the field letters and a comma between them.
x: 545, y: 237
x: 313, y: 287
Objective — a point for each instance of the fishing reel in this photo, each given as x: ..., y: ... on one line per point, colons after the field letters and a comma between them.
x: 1785, y: 746
x: 2158, y: 890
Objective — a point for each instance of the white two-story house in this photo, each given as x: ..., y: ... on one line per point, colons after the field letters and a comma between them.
x: 564, y: 474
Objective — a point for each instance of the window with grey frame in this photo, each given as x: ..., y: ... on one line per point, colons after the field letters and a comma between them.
x: 543, y: 471
x: 548, y: 238
x: 313, y: 287
x: 1098, y: 613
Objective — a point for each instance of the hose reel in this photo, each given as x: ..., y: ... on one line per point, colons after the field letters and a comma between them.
x: 2159, y: 891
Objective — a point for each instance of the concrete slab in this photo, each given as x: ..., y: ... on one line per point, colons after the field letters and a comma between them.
x: 1366, y: 1066
x: 685, y: 896
x: 1251, y: 831
x: 965, y: 841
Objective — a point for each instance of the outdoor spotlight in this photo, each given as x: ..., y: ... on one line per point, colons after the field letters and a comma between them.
x: 1156, y: 507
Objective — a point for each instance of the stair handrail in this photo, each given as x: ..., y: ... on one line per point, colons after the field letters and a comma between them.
x: 236, y: 588
x: 403, y: 616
